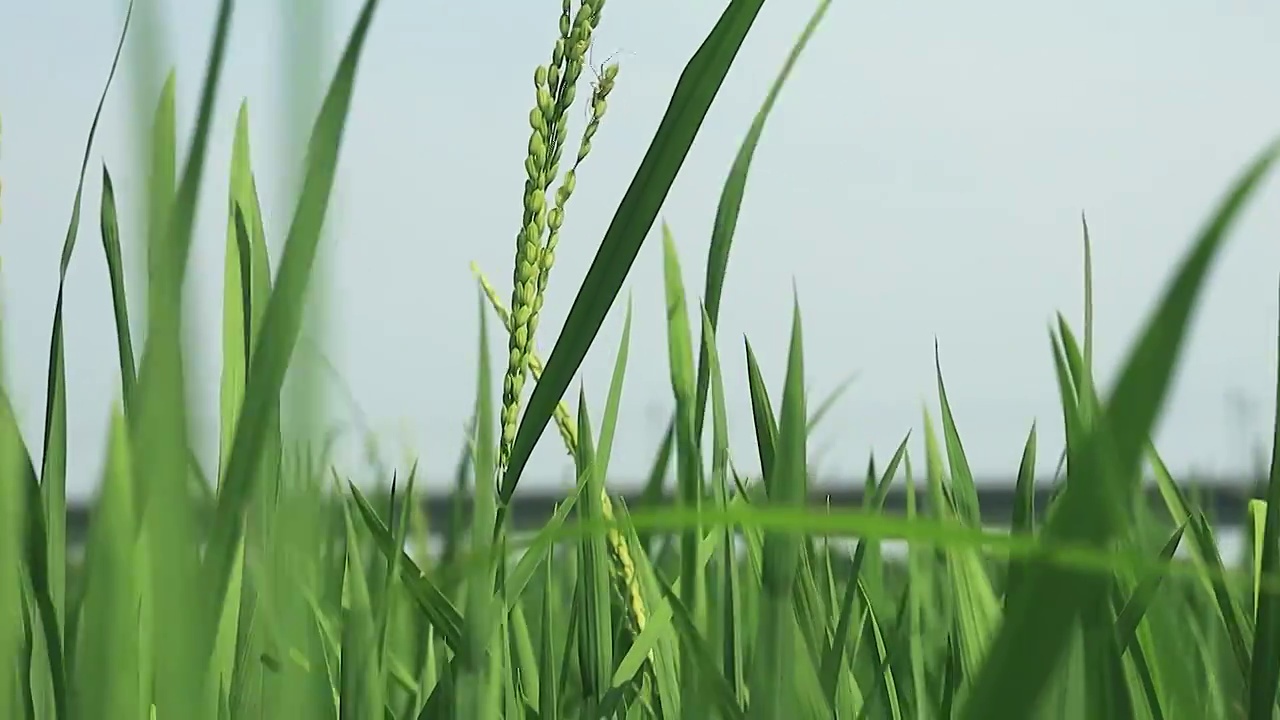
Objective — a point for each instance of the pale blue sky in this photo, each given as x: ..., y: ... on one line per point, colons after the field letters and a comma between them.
x: 922, y: 177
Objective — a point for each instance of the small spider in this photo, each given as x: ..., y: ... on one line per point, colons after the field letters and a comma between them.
x: 599, y: 72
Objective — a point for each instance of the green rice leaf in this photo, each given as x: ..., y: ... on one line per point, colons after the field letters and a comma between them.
x: 479, y: 676
x: 434, y: 604
x: 160, y: 442
x: 730, y: 205
x: 106, y: 679
x: 610, y: 422
x: 595, y: 636
x: 692, y: 98
x: 762, y: 413
x: 361, y: 689
x: 834, y: 656
x: 966, y: 494
x: 50, y: 580
x: 119, y: 301
x: 14, y: 484
x: 718, y: 691
x: 548, y: 686
x: 282, y: 320
x: 731, y: 621
x: 1140, y: 599
x: 773, y: 690
x: 1039, y: 625
x: 1264, y: 667
x: 1024, y: 512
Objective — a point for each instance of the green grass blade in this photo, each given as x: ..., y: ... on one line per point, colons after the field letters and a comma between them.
x: 362, y: 689
x: 387, y: 605
x: 1038, y: 627
x: 595, y: 636
x: 540, y: 550
x: 1257, y: 533
x: 119, y: 301
x: 478, y: 683
x: 830, y: 401
x: 548, y: 687
x: 1106, y: 686
x: 966, y: 494
x: 833, y: 658
x: 282, y: 319
x: 657, y: 477
x: 162, y: 179
x: 692, y: 98
x: 160, y: 441
x: 1088, y: 295
x: 885, y: 682
x: 730, y: 618
x: 15, y: 482
x: 1264, y: 668
x: 435, y: 605
x: 1141, y: 659
x: 772, y: 695
x: 718, y: 690
x: 106, y: 679
x: 52, y: 697
x: 766, y: 425
x: 610, y: 421
x: 1140, y: 599
x: 730, y: 205
x: 1024, y: 512
x: 688, y: 456
x: 236, y: 348
x: 238, y: 297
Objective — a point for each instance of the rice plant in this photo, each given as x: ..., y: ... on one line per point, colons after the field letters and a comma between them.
x: 271, y: 586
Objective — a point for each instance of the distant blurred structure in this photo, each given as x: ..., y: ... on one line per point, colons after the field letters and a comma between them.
x: 1224, y: 500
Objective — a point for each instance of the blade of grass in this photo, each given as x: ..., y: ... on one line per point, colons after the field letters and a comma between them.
x: 730, y: 205
x: 834, y: 655
x: 51, y: 580
x: 830, y: 401
x: 282, y: 319
x: 610, y: 421
x: 966, y: 494
x: 771, y: 695
x: 160, y: 439
x: 733, y: 660
x: 434, y: 604
x: 1140, y: 599
x: 478, y: 683
x: 1039, y: 625
x: 548, y: 688
x: 119, y: 302
x: 766, y: 426
x: 106, y: 680
x: 696, y: 652
x: 1024, y: 512
x: 595, y: 636
x: 362, y: 687
x: 690, y: 102
x: 1264, y: 668
x: 689, y: 480
x: 652, y: 492
x: 12, y: 483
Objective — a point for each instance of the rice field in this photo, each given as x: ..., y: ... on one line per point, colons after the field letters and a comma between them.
x: 271, y: 586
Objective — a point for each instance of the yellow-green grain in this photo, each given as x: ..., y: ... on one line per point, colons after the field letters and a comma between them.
x: 555, y: 87
x: 624, y: 568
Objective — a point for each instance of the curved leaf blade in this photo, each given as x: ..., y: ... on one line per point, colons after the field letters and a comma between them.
x: 697, y: 88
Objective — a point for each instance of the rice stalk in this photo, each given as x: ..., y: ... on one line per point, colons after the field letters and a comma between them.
x: 555, y: 85
x: 624, y: 569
